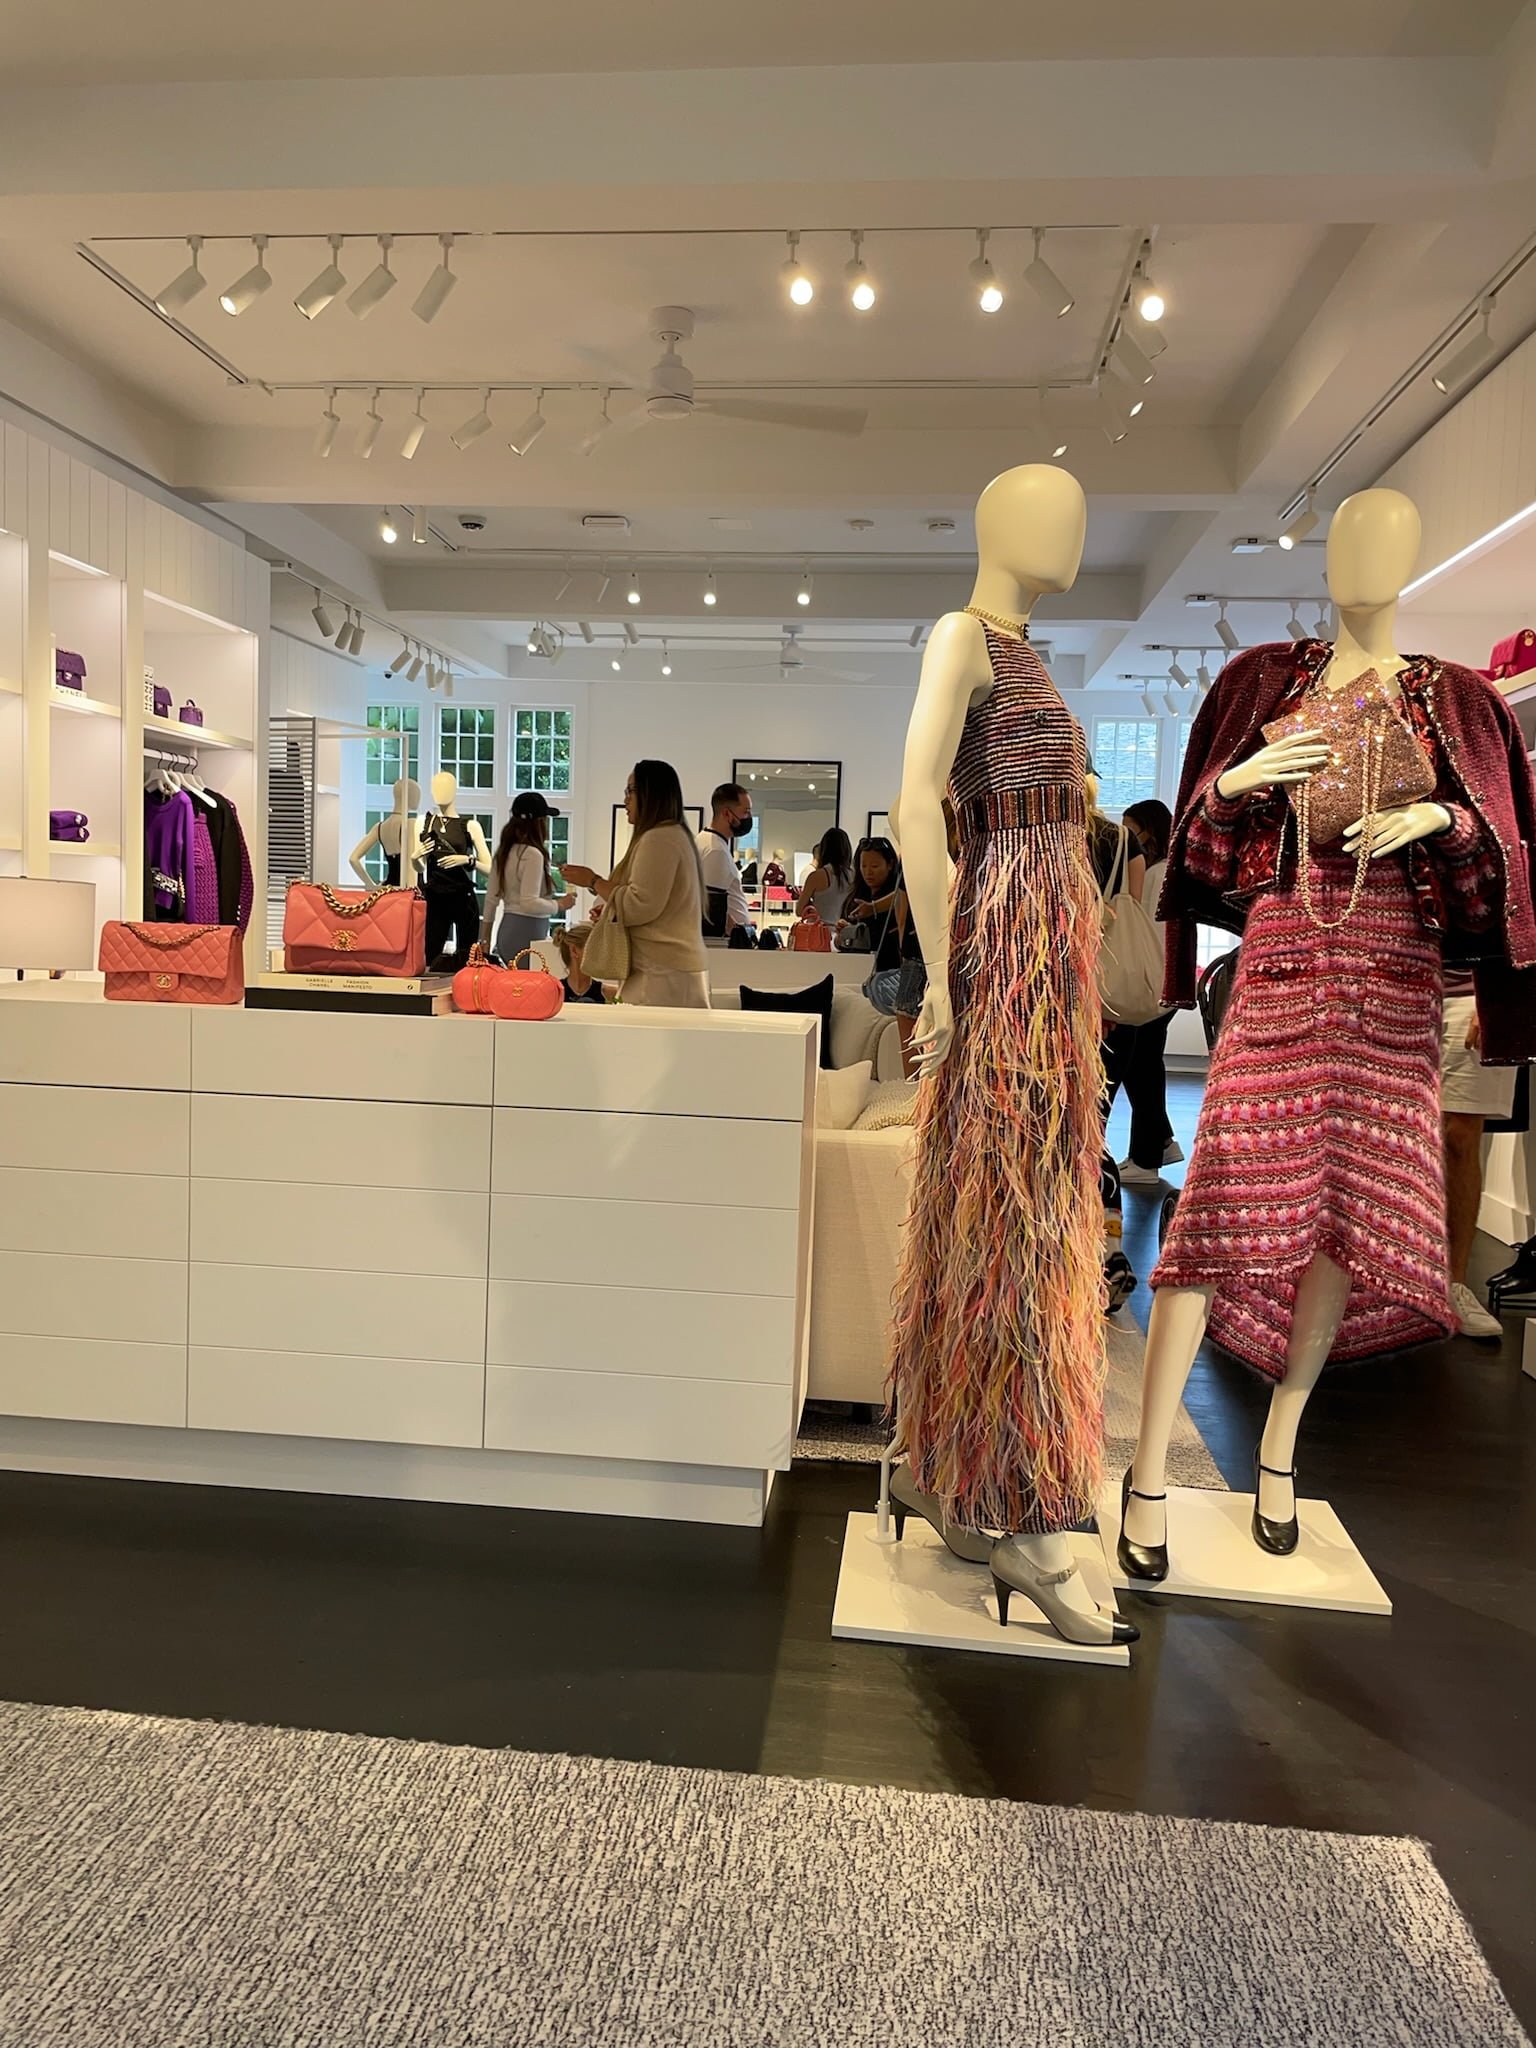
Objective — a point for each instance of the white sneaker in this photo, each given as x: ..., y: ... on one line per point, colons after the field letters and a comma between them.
x: 1475, y: 1319
x: 1173, y: 1152
x: 1134, y: 1176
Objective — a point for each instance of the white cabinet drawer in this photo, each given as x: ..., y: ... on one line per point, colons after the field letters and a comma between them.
x: 644, y: 1158
x: 95, y: 1043
x: 81, y: 1379
x: 624, y: 1330
x: 364, y: 1144
x: 674, y: 1245
x: 720, y: 1067
x: 367, y: 1400
x: 114, y: 1215
x: 352, y: 1230
x: 50, y: 1294
x: 349, y: 1057
x: 351, y: 1315
x: 667, y: 1421
x: 94, y: 1130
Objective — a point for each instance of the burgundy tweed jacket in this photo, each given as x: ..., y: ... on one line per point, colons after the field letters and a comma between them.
x: 1484, y: 778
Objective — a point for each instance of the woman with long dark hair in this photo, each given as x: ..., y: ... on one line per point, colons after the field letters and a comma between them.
x: 1135, y: 1055
x: 830, y: 882
x: 657, y: 893
x: 521, y: 886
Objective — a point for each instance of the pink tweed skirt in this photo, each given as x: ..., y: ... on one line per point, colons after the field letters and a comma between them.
x: 1320, y: 1129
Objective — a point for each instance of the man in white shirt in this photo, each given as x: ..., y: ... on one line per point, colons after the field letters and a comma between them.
x: 725, y: 899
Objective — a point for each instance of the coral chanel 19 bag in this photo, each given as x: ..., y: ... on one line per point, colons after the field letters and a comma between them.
x: 172, y: 963
x: 354, y: 931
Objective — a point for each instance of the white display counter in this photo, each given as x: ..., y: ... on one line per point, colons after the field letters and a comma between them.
x: 427, y: 1258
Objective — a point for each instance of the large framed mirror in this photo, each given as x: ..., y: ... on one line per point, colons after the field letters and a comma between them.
x: 793, y: 803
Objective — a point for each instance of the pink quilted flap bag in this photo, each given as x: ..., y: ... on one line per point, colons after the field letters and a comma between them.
x: 354, y: 931
x: 172, y: 963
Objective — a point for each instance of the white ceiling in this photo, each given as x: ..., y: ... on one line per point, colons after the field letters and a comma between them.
x: 76, y: 41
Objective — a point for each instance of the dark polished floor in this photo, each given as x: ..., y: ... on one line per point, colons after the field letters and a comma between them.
x: 707, y: 1646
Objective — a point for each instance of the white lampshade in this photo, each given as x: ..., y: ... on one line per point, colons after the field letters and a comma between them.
x: 47, y: 924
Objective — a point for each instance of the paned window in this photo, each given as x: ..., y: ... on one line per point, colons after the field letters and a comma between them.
x: 466, y: 744
x: 541, y: 751
x: 1125, y: 761
x: 384, y: 755
x: 373, y: 859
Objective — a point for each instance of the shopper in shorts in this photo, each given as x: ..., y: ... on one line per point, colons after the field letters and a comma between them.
x: 1469, y: 1094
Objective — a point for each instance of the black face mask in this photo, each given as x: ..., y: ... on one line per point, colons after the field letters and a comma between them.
x: 740, y: 827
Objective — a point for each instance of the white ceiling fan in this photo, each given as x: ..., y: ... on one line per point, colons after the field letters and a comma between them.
x: 793, y: 660
x: 667, y: 393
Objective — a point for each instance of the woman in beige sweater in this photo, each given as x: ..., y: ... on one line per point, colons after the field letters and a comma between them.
x: 657, y: 893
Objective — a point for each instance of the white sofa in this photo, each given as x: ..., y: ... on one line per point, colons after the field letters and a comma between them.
x: 863, y: 1187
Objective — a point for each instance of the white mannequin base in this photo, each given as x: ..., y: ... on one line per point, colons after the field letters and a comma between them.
x: 916, y: 1592
x: 1212, y: 1555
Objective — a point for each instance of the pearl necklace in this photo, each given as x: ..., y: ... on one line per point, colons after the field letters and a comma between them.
x: 1018, y: 629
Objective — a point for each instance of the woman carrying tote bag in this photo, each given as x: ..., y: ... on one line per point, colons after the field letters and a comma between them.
x: 653, y: 903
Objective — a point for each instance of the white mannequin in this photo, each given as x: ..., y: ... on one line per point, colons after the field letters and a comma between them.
x: 389, y: 833
x: 445, y: 792
x: 1373, y: 544
x: 1031, y: 523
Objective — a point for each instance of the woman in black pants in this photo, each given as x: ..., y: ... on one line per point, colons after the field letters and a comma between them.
x: 1134, y: 1054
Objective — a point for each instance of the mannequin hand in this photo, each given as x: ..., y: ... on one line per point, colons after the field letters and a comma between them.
x: 453, y: 860
x: 1292, y: 759
x: 1393, y: 830
x: 935, y: 1031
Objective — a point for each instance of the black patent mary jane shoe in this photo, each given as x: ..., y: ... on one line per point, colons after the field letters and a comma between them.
x: 1148, y: 1561
x: 1278, y: 1538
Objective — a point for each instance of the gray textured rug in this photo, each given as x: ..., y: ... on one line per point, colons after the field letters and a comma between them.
x: 173, y: 1884
x: 832, y: 1438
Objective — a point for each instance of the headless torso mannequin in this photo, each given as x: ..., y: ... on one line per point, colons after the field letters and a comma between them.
x: 1046, y: 1349
x: 388, y: 835
x: 446, y: 848
x: 1373, y: 544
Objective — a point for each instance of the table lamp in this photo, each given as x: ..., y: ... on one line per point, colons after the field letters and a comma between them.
x: 47, y: 924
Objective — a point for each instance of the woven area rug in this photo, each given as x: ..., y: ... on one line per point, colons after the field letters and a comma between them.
x: 832, y: 1438
x: 175, y: 1884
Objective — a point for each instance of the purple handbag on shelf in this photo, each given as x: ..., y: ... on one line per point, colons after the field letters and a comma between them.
x: 68, y: 669
x: 189, y: 714
x: 161, y: 705
x: 74, y: 827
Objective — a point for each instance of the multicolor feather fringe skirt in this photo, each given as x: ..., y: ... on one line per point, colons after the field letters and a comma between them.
x: 997, y: 1373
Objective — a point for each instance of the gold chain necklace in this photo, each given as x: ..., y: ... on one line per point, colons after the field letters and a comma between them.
x: 1370, y: 797
x: 1018, y: 628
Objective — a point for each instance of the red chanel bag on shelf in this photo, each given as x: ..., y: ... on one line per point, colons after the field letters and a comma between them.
x: 522, y: 993
x: 810, y: 935
x: 354, y: 931
x: 172, y: 963
x: 474, y: 982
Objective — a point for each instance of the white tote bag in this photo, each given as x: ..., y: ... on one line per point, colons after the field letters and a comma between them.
x: 1130, y: 949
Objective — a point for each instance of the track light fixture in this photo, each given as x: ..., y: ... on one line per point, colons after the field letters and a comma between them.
x: 389, y: 533
x: 1203, y: 676
x: 419, y: 526
x: 805, y: 589
x: 711, y: 595
x: 1045, y: 284
x: 329, y: 427
x: 1322, y: 623
x: 321, y: 616
x: 1130, y: 360
x: 632, y: 594
x: 368, y: 432
x: 797, y: 281
x: 1050, y: 432
x: 1129, y: 398
x: 433, y: 295
x: 1294, y: 627
x: 400, y: 660
x: 1474, y: 356
x: 320, y: 291
x: 531, y: 427
x: 666, y: 659
x: 246, y: 290
x: 414, y: 670
x: 861, y: 287
x: 1226, y: 632
x: 1145, y: 296
x: 584, y: 628
x: 616, y: 665
x: 377, y: 285
x: 1144, y: 334
x: 477, y: 424
x: 415, y: 431
x: 1179, y: 674
x: 989, y: 293
x: 1303, y: 523
x: 185, y: 285
x: 1111, y: 416
x: 357, y: 636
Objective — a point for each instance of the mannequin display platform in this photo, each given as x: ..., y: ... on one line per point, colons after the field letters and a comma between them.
x: 388, y: 835
x: 447, y: 847
x: 998, y: 1365
x: 1312, y: 1223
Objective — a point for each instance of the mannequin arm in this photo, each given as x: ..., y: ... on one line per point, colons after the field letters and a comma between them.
x: 955, y: 666
x: 482, y: 851
x: 365, y: 845
x: 1392, y: 830
x: 419, y: 842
